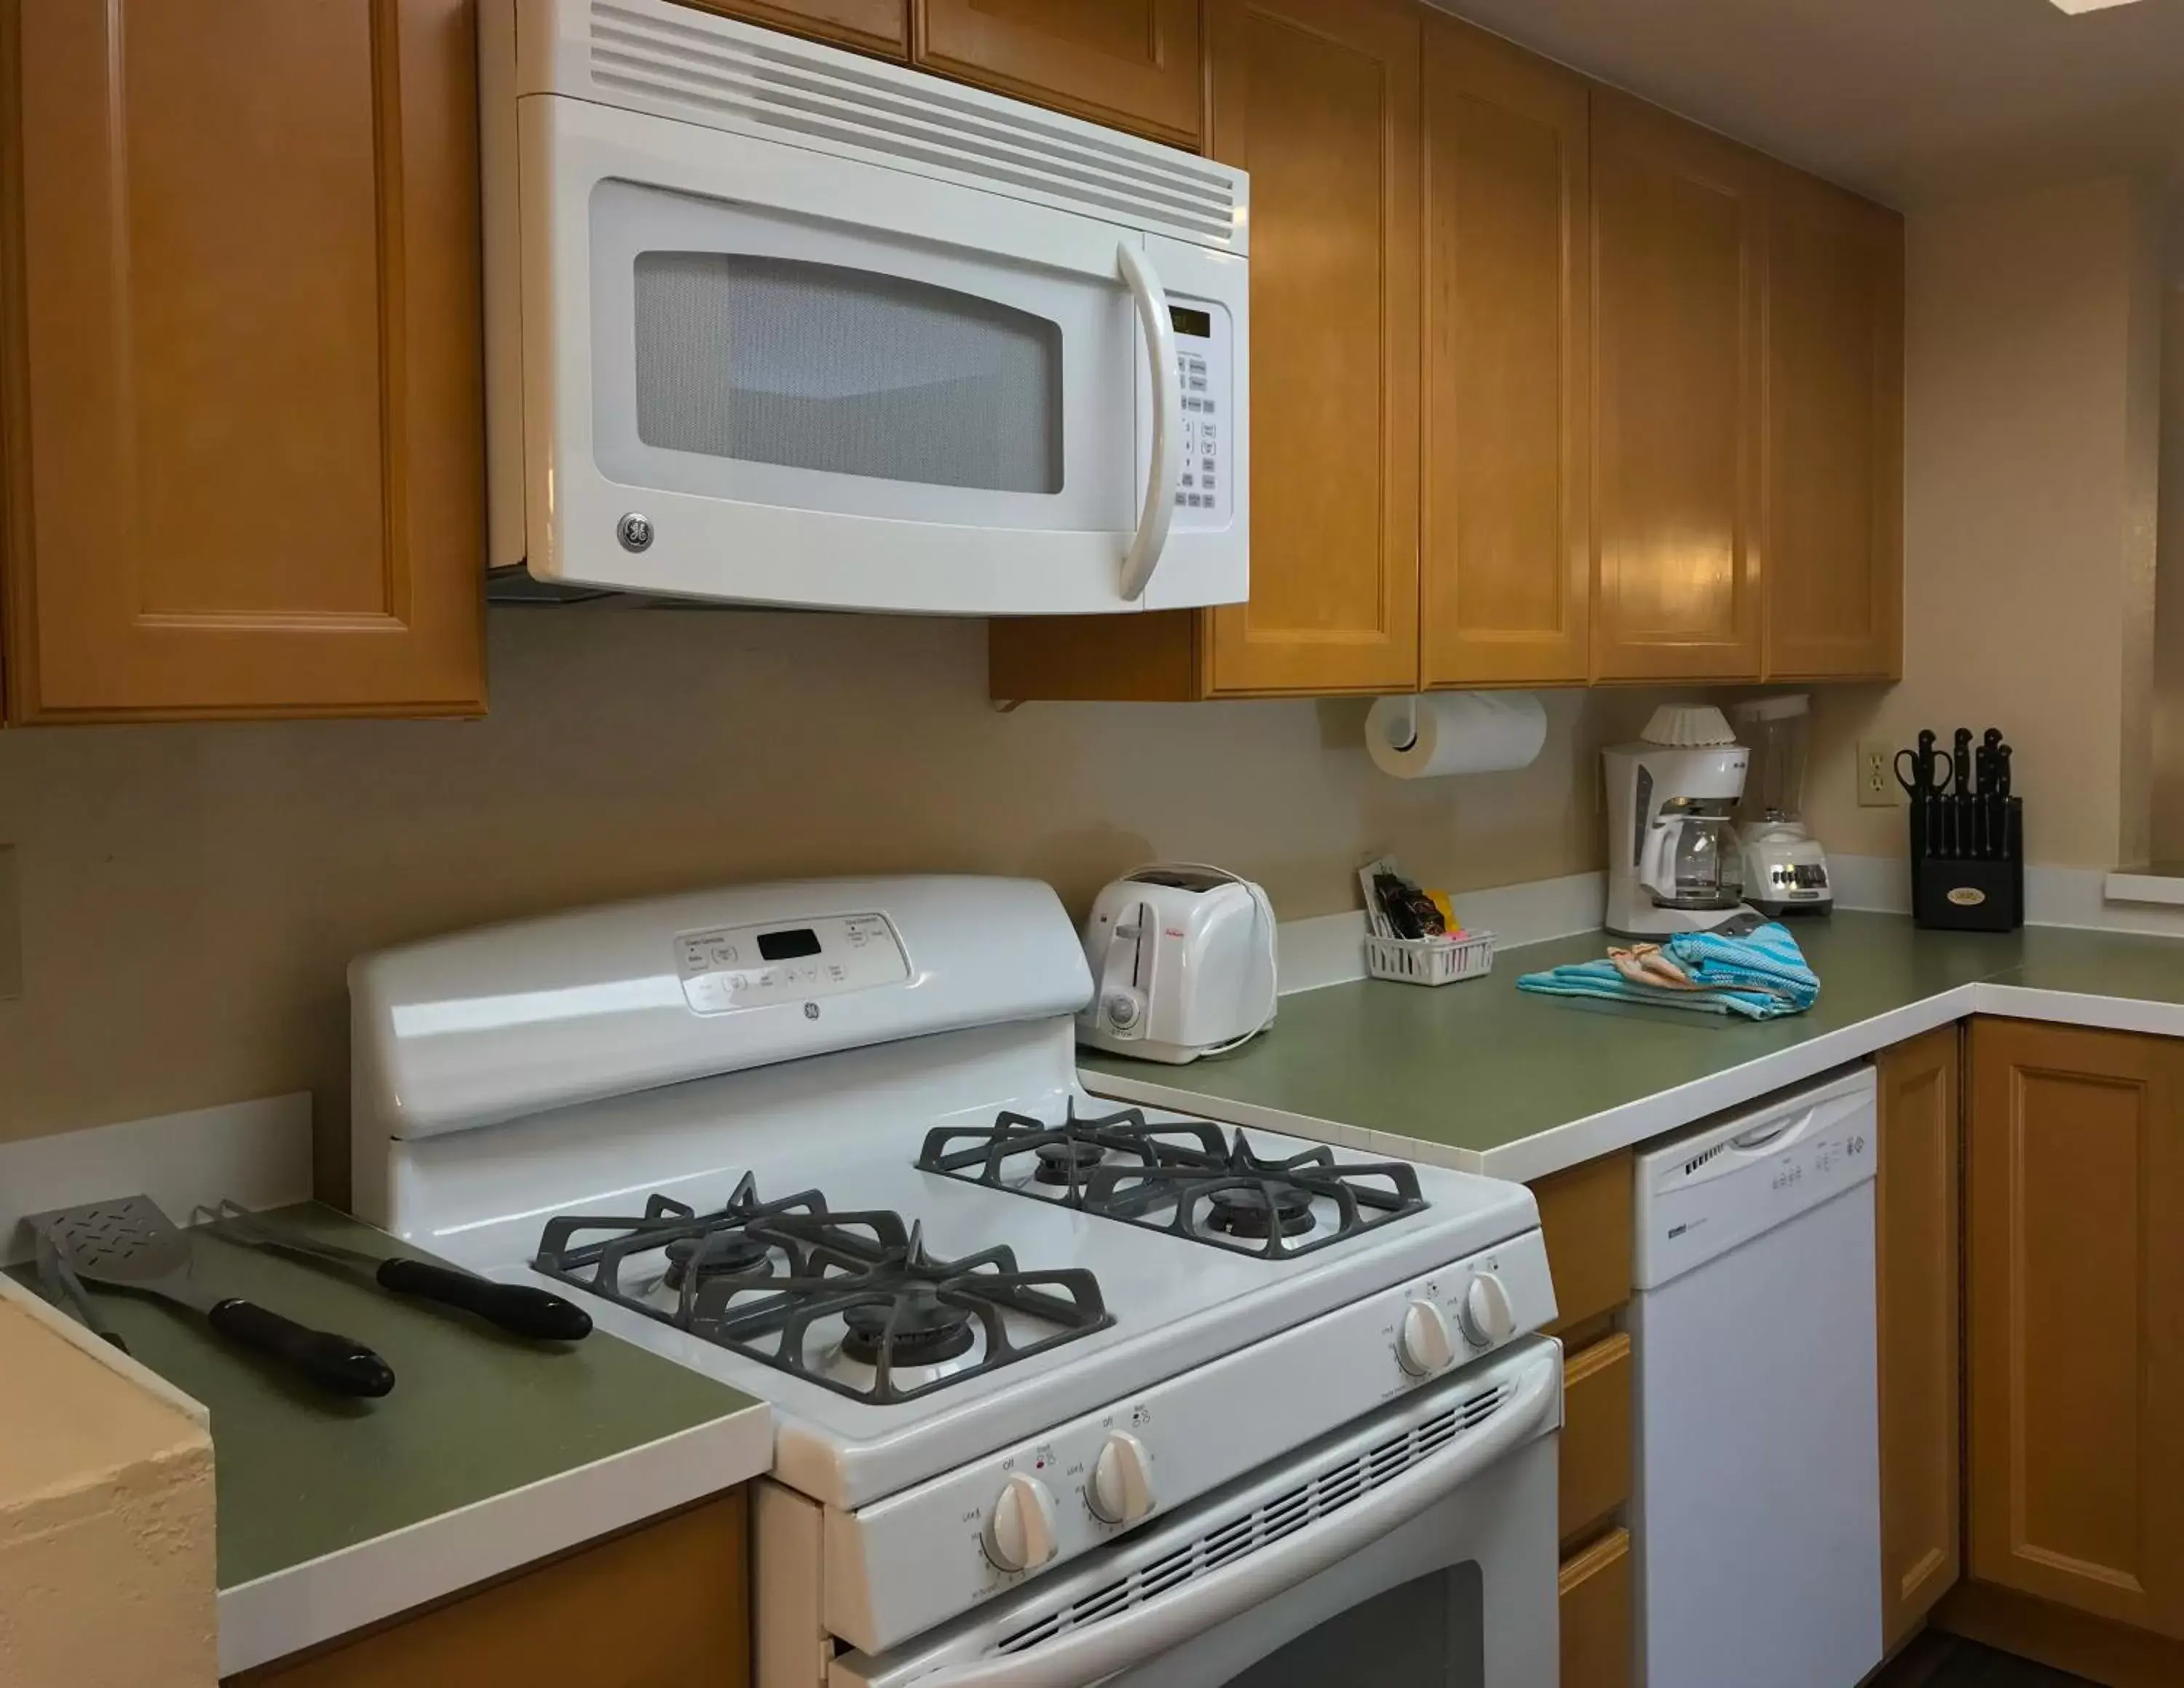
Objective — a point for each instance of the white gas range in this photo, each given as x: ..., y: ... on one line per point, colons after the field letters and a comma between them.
x: 824, y: 1142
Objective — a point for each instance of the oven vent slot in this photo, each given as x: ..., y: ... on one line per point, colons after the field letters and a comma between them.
x: 741, y: 79
x: 1324, y: 1493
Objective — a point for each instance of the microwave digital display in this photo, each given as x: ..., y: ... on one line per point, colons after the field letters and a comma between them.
x: 1198, y: 324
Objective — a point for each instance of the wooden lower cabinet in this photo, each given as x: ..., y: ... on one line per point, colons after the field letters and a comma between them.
x: 2075, y: 1270
x: 1920, y: 1267
x: 1597, y: 1614
x: 1595, y: 1477
x: 574, y: 1620
x: 244, y: 451
x: 1586, y: 1216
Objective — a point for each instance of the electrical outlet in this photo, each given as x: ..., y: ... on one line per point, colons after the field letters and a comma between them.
x: 1876, y: 775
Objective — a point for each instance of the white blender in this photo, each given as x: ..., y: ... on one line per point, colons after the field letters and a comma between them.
x: 1672, y: 861
x: 1785, y: 871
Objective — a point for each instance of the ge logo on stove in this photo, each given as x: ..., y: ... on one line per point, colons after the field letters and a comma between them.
x: 811, y: 1010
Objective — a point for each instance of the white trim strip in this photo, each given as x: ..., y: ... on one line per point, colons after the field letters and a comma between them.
x: 255, y: 1153
x: 2143, y: 887
x: 322, y: 1598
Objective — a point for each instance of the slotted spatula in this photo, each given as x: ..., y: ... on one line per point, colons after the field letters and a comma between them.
x: 129, y: 1244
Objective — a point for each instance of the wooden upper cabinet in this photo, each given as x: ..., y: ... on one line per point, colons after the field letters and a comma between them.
x: 1919, y: 1238
x: 1320, y: 104
x: 1835, y: 444
x: 1130, y: 63
x: 243, y: 423
x: 1507, y: 491
x: 1680, y: 255
x: 2075, y: 1273
x: 880, y: 26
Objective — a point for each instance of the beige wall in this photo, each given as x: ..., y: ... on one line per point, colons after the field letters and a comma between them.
x: 192, y: 894
x: 2031, y: 398
x: 2169, y: 610
x: 106, y: 1523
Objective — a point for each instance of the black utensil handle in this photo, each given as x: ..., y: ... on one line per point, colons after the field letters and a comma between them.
x: 517, y: 1307
x: 339, y: 1363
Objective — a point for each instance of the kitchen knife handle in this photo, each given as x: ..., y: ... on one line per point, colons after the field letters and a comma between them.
x: 339, y: 1363
x: 517, y: 1307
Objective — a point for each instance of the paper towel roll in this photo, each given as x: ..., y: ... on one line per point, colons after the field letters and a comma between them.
x: 1454, y: 732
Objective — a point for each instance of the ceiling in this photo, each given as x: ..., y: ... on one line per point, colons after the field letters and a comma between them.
x: 1909, y: 101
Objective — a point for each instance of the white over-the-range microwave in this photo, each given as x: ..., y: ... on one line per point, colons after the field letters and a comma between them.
x: 772, y: 323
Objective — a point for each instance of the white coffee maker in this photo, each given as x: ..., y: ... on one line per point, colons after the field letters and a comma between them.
x: 1673, y: 864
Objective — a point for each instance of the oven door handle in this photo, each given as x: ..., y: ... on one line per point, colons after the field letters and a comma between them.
x: 1150, y: 538
x: 1079, y: 1657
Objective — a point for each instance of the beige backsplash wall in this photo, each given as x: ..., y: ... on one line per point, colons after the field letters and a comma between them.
x: 2031, y: 452
x: 192, y: 894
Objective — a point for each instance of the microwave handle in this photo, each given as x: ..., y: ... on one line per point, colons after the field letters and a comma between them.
x: 1143, y: 554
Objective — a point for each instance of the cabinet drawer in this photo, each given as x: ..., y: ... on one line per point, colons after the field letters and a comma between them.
x: 1584, y: 1213
x: 1596, y: 1445
x: 1595, y: 1614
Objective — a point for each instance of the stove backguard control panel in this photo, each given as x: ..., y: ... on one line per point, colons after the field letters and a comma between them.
x: 727, y: 968
x: 900, y: 1564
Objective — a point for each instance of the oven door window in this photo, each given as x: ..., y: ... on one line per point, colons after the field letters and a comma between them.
x: 1428, y: 1633
x: 752, y: 354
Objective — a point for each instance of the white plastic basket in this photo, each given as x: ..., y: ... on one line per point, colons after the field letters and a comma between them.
x: 1430, y: 961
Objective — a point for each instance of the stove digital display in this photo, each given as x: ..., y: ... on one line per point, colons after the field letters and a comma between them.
x: 787, y: 946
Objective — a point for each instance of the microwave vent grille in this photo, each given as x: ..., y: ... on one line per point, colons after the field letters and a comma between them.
x: 709, y: 71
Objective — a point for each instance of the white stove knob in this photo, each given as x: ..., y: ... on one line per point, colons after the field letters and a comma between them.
x: 1121, y: 1491
x: 1424, y: 1345
x: 1020, y: 1529
x: 1487, y: 1318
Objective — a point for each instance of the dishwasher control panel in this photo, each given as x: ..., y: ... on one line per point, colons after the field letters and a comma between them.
x: 1710, y: 1190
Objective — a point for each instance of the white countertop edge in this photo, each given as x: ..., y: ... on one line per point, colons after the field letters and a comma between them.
x: 330, y: 1597
x: 2077, y: 1008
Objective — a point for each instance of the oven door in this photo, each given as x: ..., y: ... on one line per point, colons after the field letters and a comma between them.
x: 822, y: 381
x: 1420, y: 1539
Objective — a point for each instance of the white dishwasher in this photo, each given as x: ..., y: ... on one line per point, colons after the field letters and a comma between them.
x: 1758, y: 1488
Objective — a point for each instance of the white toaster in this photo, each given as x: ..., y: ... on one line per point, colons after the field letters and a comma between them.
x: 1183, y: 956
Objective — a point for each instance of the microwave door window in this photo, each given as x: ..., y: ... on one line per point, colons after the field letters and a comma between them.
x: 820, y: 366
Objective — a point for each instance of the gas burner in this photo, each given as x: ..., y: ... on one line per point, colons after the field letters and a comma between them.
x: 1241, y: 1201
x: 1247, y: 1211
x: 719, y: 1255
x: 918, y: 1329
x: 1062, y: 1157
x: 851, y: 1301
x: 1066, y: 1162
x: 1185, y: 1176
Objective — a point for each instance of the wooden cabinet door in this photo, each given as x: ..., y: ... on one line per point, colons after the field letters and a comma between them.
x: 1680, y: 231
x: 1596, y: 1608
x: 1507, y: 487
x: 1320, y: 104
x: 1131, y: 63
x: 666, y: 1602
x: 2075, y: 1277
x: 1920, y: 1270
x: 244, y: 438
x: 880, y: 26
x: 1835, y: 444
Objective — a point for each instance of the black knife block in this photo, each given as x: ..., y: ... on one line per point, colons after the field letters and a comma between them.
x: 1968, y: 893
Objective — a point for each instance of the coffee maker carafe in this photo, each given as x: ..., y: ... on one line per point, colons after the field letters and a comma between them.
x: 1673, y: 863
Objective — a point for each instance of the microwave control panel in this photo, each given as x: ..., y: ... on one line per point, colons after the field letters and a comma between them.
x: 741, y: 967
x: 1204, y: 493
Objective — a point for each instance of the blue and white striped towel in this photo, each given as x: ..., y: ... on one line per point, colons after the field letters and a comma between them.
x: 1760, y: 976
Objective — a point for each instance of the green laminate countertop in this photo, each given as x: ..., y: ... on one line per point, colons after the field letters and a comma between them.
x: 306, y: 1481
x: 1482, y: 1076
